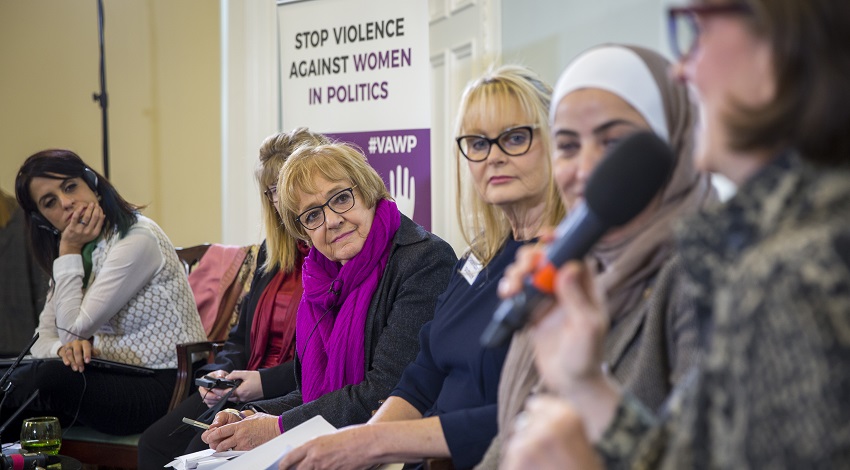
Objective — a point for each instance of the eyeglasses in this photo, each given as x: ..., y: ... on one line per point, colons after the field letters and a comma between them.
x: 684, y: 29
x: 340, y: 203
x: 514, y: 142
x: 271, y: 193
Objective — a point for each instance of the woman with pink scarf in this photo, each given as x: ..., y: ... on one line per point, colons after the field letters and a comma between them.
x: 371, y: 280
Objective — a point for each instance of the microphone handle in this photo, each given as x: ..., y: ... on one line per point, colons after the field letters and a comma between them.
x: 26, y: 461
x: 511, y: 315
x: 574, y: 237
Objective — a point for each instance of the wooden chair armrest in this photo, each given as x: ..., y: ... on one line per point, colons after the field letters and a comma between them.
x: 185, y: 378
x: 190, y: 256
x: 439, y: 464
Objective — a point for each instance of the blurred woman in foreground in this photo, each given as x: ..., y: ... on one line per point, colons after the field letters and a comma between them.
x: 769, y: 270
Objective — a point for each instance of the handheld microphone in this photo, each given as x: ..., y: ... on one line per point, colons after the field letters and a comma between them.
x: 620, y: 187
x: 27, y: 461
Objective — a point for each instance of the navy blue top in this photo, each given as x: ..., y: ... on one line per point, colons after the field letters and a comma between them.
x: 453, y: 376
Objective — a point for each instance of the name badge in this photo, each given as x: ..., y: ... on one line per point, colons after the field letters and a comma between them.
x: 471, y: 269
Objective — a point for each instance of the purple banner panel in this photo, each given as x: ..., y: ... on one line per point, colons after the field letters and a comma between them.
x: 403, y: 159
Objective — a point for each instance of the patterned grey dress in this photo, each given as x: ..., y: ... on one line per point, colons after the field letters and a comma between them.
x: 770, y: 272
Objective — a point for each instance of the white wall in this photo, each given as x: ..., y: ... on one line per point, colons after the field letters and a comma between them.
x: 546, y: 34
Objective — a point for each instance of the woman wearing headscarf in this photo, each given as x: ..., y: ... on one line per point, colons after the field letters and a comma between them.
x: 601, y: 97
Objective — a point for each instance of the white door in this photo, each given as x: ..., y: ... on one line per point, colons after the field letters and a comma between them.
x: 465, y: 40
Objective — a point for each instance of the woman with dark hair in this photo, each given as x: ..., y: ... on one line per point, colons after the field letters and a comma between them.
x: 769, y: 271
x: 117, y: 292
x: 261, y: 347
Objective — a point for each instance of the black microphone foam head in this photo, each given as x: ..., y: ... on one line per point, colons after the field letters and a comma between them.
x: 627, y: 179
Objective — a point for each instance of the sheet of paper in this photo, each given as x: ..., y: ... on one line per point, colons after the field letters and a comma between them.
x: 190, y: 461
x: 267, y: 455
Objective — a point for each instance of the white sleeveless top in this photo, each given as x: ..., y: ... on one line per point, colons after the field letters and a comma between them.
x: 138, y: 305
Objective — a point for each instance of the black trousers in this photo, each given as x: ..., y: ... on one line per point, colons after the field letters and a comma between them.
x: 169, y: 437
x: 110, y: 402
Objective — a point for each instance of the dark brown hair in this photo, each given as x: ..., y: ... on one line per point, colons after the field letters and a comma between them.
x: 60, y: 164
x: 810, y: 43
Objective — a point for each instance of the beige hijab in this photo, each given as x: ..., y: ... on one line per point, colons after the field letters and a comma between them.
x: 640, y: 77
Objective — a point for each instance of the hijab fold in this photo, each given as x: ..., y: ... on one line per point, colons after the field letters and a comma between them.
x: 629, y: 265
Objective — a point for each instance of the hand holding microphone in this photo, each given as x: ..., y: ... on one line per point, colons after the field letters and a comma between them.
x: 620, y: 188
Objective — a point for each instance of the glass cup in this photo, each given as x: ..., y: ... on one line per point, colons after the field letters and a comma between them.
x: 42, y: 435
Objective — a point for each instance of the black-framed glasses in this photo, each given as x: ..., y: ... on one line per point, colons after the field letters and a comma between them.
x: 514, y: 141
x: 684, y: 29
x: 340, y: 203
x: 271, y: 193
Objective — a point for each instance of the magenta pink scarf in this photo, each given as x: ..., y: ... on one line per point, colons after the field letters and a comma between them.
x: 331, y: 319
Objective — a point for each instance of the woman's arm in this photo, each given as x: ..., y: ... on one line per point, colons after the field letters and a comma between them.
x: 48, y: 343
x: 395, y: 409
x: 130, y: 264
x: 395, y: 434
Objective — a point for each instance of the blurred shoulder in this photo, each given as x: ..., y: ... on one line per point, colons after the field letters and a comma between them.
x: 414, y: 244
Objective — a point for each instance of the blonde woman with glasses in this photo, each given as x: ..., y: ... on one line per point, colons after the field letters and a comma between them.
x: 445, y: 404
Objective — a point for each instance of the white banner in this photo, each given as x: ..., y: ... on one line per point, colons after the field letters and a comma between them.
x: 358, y: 70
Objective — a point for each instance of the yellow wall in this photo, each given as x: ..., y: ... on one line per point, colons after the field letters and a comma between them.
x: 163, y: 77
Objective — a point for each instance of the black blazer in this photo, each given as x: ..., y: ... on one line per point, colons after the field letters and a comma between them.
x: 418, y: 271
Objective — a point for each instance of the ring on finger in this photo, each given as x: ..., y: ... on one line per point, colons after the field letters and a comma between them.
x: 83, y: 222
x: 234, y: 412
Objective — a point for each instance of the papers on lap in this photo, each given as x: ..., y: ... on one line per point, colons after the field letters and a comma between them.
x: 265, y: 456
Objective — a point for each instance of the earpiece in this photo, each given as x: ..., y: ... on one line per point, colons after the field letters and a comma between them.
x: 90, y: 178
x: 42, y: 223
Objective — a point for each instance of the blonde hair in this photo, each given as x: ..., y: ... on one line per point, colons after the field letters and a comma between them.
x: 281, y: 246
x: 486, y: 228
x: 333, y: 162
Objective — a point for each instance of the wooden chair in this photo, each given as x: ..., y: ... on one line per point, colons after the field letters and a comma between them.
x: 192, y: 255
x: 104, y: 451
x: 439, y: 464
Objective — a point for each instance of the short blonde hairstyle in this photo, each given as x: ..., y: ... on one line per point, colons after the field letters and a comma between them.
x: 281, y: 246
x: 333, y: 162
x: 485, y: 227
